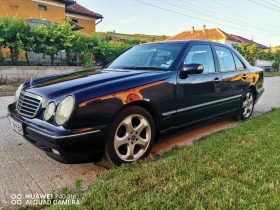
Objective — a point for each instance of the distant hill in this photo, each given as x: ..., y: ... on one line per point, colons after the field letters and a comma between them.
x: 131, y: 38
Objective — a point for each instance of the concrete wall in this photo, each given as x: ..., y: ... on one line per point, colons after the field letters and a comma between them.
x: 16, y: 74
x: 39, y: 59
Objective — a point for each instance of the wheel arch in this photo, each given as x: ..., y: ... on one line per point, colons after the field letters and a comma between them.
x: 254, y: 90
x: 149, y: 107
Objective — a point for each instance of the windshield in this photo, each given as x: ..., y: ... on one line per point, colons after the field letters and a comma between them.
x: 151, y: 56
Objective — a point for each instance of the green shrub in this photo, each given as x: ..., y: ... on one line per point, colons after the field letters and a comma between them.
x: 15, y: 34
x: 19, y: 37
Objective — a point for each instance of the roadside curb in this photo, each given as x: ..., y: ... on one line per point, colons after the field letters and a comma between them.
x: 7, y: 94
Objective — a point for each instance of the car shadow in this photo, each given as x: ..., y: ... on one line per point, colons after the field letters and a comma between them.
x: 187, y: 136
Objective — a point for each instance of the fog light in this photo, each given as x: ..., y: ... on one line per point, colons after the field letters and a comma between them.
x: 55, y: 152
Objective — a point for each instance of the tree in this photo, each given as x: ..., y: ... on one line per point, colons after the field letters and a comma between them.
x: 276, y: 59
x: 49, y: 40
x: 14, y: 33
x: 83, y: 47
x: 39, y: 40
x: 28, y: 41
x: 107, y: 51
x: 2, y: 60
x: 250, y: 52
x: 67, y: 38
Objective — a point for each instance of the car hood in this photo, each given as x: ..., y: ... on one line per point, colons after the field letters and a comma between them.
x: 92, y: 83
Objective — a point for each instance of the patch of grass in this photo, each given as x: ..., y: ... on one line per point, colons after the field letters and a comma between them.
x: 78, y: 185
x: 271, y: 74
x: 237, y: 168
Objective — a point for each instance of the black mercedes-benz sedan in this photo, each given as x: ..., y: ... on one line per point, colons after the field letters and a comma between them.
x: 119, y: 111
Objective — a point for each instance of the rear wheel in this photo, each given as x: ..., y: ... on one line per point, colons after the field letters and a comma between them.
x: 247, y: 106
x: 131, y: 136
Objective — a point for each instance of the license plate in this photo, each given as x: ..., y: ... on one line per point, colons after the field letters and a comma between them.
x: 16, y: 126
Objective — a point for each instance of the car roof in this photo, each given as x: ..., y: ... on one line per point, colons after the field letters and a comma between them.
x: 183, y: 41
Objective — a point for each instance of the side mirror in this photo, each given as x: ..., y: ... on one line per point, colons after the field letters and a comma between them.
x: 192, y: 68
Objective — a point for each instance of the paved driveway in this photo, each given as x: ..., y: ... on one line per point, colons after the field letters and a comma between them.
x: 25, y: 169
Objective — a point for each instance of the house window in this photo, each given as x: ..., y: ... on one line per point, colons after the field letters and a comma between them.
x: 75, y: 20
x: 42, y: 7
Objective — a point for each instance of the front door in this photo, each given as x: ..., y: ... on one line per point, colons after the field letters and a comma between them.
x: 199, y: 95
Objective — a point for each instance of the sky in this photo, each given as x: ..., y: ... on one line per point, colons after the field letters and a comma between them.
x: 259, y: 19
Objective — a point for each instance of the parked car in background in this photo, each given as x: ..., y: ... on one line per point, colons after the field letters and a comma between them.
x: 119, y: 111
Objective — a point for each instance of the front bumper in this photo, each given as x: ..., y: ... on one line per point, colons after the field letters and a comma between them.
x: 73, y: 146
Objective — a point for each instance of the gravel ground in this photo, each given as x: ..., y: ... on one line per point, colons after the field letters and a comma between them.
x: 8, y: 90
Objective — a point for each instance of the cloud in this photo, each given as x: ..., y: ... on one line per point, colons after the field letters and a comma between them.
x: 126, y: 20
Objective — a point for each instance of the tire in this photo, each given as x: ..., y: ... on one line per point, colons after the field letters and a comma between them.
x: 130, y: 137
x: 247, y: 106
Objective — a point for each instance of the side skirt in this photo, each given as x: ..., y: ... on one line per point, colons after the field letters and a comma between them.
x: 173, y: 130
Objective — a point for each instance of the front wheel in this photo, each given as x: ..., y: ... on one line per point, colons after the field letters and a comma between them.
x: 247, y: 106
x: 131, y: 136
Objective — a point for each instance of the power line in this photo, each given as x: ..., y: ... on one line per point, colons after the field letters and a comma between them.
x: 265, y: 6
x: 269, y: 36
x: 197, y: 12
x: 198, y: 18
x: 274, y: 22
x: 277, y: 18
x: 273, y: 5
x: 237, y: 22
x: 188, y: 9
x: 232, y: 10
x: 235, y: 11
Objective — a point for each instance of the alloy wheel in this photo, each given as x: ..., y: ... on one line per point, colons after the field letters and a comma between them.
x: 132, y: 137
x: 248, y: 105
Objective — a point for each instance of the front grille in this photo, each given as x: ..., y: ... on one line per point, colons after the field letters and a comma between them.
x: 28, y: 104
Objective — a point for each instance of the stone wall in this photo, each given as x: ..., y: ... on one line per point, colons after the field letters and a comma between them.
x: 17, y: 74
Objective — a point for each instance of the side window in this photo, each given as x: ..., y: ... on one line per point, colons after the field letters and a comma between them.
x: 225, y: 58
x: 201, y: 54
x: 238, y: 63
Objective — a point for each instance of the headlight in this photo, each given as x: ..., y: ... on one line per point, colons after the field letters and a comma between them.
x: 18, y: 91
x: 49, y: 111
x: 64, y: 110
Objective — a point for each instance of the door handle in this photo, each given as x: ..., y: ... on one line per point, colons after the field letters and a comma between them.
x: 244, y: 76
x: 216, y: 80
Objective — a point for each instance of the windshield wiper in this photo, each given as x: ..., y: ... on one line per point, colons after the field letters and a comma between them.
x: 143, y: 68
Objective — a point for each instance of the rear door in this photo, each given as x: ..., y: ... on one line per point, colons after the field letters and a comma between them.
x: 199, y: 95
x: 233, y: 77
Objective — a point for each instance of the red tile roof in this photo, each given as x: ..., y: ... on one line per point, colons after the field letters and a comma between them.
x: 242, y: 39
x: 67, y: 1
x: 80, y: 10
x: 209, y: 34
